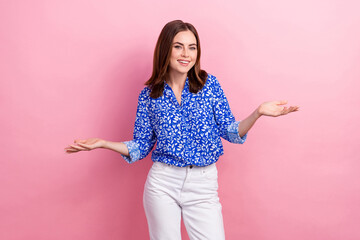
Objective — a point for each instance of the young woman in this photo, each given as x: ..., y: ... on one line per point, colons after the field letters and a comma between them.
x: 184, y: 110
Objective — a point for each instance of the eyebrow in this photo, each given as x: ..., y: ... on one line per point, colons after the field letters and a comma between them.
x: 183, y: 44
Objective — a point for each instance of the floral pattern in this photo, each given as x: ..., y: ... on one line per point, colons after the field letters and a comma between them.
x: 186, y: 134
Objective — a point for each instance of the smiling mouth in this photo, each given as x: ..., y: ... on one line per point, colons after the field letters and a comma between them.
x: 183, y: 62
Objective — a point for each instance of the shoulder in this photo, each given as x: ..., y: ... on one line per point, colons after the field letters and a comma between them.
x: 211, y: 76
x: 144, y: 94
x: 211, y: 81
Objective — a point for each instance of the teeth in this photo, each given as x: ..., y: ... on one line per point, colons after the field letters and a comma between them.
x: 184, y: 61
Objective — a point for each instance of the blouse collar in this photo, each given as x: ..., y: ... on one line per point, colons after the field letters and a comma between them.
x: 168, y: 89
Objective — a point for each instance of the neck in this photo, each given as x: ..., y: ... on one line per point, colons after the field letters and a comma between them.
x: 176, y: 80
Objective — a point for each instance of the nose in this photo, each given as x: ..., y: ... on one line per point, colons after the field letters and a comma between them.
x: 184, y: 53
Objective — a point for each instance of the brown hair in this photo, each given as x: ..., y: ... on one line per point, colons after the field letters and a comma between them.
x: 162, y: 53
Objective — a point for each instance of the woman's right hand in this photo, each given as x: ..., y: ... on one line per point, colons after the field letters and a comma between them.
x: 85, y: 145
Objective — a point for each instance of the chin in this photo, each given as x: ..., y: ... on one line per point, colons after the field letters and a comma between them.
x: 182, y: 71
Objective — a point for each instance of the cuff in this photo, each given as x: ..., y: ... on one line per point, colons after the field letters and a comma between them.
x: 134, y: 151
x: 233, y: 133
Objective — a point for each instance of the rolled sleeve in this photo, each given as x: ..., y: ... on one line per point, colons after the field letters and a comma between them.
x: 134, y: 151
x: 233, y: 133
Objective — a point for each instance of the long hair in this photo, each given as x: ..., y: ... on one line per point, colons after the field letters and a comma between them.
x: 162, y: 53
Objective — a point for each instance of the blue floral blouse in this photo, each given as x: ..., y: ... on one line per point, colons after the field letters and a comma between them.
x: 186, y: 134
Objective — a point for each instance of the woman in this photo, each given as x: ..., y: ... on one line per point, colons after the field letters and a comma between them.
x: 184, y: 110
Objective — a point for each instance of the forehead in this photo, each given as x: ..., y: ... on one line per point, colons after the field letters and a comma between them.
x: 185, y: 37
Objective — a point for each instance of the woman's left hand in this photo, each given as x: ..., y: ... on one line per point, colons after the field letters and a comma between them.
x: 275, y: 108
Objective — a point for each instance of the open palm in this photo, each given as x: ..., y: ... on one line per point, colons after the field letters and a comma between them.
x: 275, y: 108
x: 85, y: 145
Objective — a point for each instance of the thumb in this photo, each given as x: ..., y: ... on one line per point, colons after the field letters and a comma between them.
x: 281, y: 102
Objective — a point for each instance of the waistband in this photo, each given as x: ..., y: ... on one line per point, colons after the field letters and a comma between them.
x: 164, y: 165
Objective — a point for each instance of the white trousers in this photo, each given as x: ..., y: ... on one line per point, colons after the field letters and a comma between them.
x: 189, y: 192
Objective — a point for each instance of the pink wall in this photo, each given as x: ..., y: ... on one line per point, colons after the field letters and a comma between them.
x: 73, y: 69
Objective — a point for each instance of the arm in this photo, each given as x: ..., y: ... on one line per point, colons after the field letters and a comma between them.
x: 92, y: 143
x: 273, y: 109
x: 119, y: 147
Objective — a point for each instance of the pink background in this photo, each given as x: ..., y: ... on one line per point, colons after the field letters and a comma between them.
x: 74, y: 69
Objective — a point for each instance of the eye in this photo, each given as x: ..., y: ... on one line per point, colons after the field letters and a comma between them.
x: 177, y: 46
x: 193, y: 48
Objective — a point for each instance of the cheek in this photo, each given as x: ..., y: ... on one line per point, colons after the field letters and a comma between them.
x: 172, y: 63
x: 173, y: 57
x: 175, y: 53
x: 194, y: 58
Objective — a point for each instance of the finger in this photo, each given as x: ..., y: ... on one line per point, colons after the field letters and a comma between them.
x: 293, y: 109
x: 79, y: 141
x: 85, y: 146
x: 289, y: 110
x: 79, y: 148
x: 70, y: 150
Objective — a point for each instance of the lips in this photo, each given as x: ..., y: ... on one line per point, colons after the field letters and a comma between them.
x: 183, y: 62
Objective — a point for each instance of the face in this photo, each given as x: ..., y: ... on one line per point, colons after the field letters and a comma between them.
x: 183, y: 52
